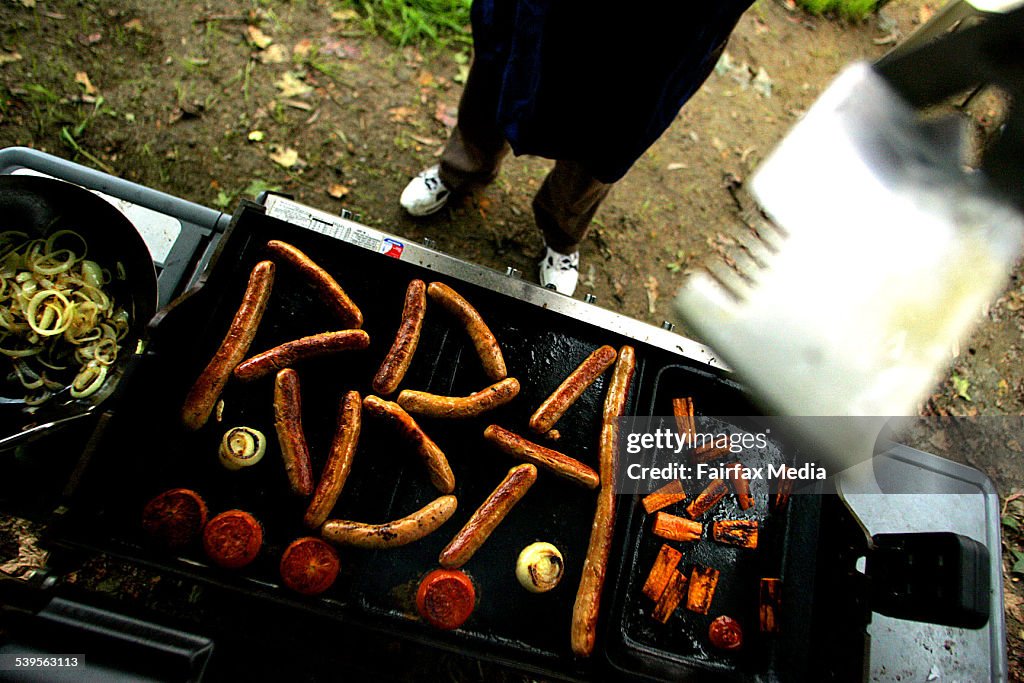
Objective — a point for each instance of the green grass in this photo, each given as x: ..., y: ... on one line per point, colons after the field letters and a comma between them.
x: 424, y: 23
x: 848, y: 9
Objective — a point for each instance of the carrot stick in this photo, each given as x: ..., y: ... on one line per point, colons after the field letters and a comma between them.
x: 668, y: 494
x: 661, y: 572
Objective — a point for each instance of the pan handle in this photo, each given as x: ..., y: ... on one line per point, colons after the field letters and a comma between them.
x: 30, y: 433
x: 935, y: 577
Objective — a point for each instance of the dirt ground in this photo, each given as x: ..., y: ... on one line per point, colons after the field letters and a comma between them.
x: 212, y: 101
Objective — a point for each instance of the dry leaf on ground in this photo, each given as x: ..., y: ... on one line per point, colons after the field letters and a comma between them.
x: 275, y: 54
x: 257, y: 38
x: 286, y: 157
x: 291, y: 85
x: 337, y: 190
x: 82, y: 78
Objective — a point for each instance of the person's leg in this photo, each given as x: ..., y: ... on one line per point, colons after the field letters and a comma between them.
x: 566, y: 203
x: 477, y: 146
x: 473, y: 153
x: 563, y: 209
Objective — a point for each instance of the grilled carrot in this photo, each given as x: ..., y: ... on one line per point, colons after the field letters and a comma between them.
x: 741, y: 532
x: 682, y: 409
x: 785, y: 488
x: 670, y: 597
x: 703, y: 581
x: 771, y: 594
x: 668, y: 494
x: 708, y: 498
x: 676, y: 528
x: 661, y: 571
x: 741, y: 485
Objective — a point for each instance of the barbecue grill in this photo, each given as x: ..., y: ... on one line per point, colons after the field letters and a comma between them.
x: 134, y: 450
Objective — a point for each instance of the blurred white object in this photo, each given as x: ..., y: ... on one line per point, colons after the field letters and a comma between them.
x: 886, y: 251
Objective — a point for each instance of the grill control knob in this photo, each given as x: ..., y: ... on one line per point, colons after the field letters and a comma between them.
x: 589, y: 298
x: 429, y: 242
x: 513, y: 272
x: 667, y: 325
x: 346, y: 214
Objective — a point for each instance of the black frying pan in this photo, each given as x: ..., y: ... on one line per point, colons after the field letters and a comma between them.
x: 41, y: 206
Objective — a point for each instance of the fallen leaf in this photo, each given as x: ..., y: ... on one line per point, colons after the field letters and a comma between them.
x: 423, y: 140
x: 344, y: 15
x: 676, y: 166
x: 257, y: 38
x: 337, y: 190
x: 342, y: 49
x: 291, y: 86
x: 1013, y: 605
x: 134, y: 25
x: 446, y: 114
x: 303, y: 48
x: 286, y: 158
x: 82, y: 79
x: 962, y: 386
x: 275, y: 54
x: 256, y: 136
x: 652, y: 293
x: 462, y: 75
x: 298, y: 104
x: 425, y: 79
x: 400, y: 114
x: 9, y: 57
x: 925, y: 13
x: 90, y: 39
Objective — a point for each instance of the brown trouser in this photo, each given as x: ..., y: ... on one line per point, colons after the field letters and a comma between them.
x: 569, y: 196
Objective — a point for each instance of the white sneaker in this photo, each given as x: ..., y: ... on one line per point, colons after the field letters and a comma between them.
x: 560, y: 272
x: 425, y: 194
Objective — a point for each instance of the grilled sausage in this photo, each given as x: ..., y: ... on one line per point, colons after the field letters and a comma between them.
x: 595, y: 566
x: 287, y: 354
x: 391, y: 534
x: 558, y: 463
x: 397, y: 362
x: 571, y: 388
x: 328, y: 288
x: 432, y: 405
x: 488, y: 516
x: 204, y: 393
x: 483, y: 339
x: 433, y: 457
x: 290, y: 435
x: 339, y: 461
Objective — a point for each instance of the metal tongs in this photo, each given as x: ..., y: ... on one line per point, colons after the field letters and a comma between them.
x: 878, y: 249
